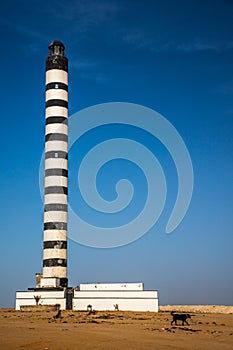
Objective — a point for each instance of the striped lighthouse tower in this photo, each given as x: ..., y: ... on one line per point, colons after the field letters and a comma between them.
x: 52, y: 285
x: 56, y: 169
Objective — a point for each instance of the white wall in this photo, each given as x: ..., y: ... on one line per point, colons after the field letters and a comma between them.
x: 47, y: 298
x: 127, y: 301
x: 123, y: 304
x: 111, y: 286
x: 146, y: 294
x: 137, y: 300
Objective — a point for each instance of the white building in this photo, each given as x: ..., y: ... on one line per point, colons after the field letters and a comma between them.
x: 102, y: 297
x: 115, y: 296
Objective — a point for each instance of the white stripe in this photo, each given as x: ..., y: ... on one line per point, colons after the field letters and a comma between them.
x: 55, y: 235
x: 55, y: 216
x: 56, y: 128
x: 57, y: 198
x: 55, y: 181
x: 56, y: 163
x: 56, y: 94
x: 54, y: 111
x: 56, y: 146
x: 59, y: 272
x: 54, y: 253
x: 57, y: 76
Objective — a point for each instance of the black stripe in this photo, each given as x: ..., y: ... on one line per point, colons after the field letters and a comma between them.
x: 55, y: 207
x: 56, y: 102
x: 55, y: 226
x: 56, y: 137
x: 56, y: 154
x: 57, y: 85
x: 56, y: 172
x: 56, y: 120
x: 56, y: 189
x: 57, y: 62
x: 55, y: 245
x: 64, y: 282
x: 54, y: 262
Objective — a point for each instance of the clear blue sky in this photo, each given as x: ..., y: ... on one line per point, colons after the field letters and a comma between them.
x: 175, y: 57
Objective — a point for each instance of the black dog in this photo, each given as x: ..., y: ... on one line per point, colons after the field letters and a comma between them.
x: 181, y: 317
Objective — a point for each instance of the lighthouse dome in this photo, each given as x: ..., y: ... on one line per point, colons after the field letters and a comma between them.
x: 56, y: 47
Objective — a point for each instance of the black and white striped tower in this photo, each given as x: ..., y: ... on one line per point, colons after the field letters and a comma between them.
x: 56, y: 168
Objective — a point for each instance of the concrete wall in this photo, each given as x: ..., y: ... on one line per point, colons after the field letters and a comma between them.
x: 47, y: 298
x: 136, y: 300
x: 49, y: 282
x: 127, y: 301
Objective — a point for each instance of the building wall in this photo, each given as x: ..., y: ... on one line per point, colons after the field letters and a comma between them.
x: 111, y: 286
x: 100, y: 300
x: 47, y: 298
x: 127, y: 301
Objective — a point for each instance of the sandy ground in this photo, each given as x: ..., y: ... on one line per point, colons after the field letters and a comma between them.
x: 114, y: 330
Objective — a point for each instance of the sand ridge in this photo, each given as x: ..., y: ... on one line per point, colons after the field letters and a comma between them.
x: 216, y: 309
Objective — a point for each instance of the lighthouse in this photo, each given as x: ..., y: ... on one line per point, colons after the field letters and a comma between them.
x: 52, y: 284
x: 56, y: 168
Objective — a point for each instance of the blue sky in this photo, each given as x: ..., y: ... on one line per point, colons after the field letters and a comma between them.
x: 175, y: 57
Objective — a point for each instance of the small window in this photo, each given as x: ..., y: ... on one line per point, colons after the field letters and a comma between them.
x: 56, y: 155
x: 56, y: 86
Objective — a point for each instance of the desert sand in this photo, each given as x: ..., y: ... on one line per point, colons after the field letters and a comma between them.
x: 211, y: 327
